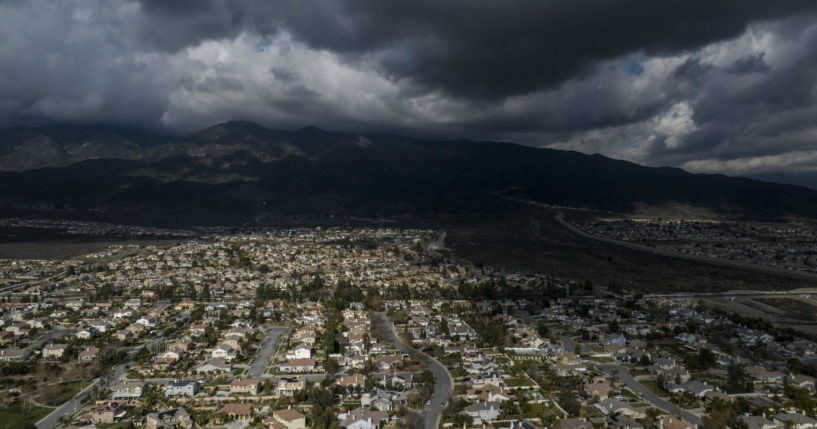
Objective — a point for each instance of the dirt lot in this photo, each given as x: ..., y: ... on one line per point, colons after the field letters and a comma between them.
x: 66, y: 249
x: 785, y: 311
x: 528, y: 239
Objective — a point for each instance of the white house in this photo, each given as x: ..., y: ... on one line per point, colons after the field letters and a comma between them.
x: 223, y: 351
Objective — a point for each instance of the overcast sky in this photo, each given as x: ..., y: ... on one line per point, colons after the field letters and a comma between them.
x: 710, y: 86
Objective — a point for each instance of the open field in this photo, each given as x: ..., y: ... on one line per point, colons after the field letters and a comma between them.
x: 20, y: 414
x: 58, y: 394
x: 529, y: 239
x: 793, y: 308
x: 779, y: 311
x: 23, y: 243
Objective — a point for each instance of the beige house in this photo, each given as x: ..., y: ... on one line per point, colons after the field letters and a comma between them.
x: 249, y: 386
x: 108, y: 412
x: 290, y: 418
x: 54, y: 351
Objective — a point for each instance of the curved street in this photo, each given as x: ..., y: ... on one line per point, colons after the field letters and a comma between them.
x: 443, y: 383
x: 623, y: 374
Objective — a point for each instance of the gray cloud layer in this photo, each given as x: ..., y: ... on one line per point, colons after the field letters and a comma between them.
x: 708, y: 85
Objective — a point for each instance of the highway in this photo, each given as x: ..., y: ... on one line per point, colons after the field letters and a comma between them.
x: 264, y: 355
x: 443, y: 383
x: 623, y: 374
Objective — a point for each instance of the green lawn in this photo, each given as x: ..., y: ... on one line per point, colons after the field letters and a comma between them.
x: 588, y: 411
x: 652, y: 387
x: 602, y: 359
x: 351, y: 405
x: 117, y: 425
x: 628, y: 393
x: 19, y: 414
x: 65, y: 392
x: 516, y: 382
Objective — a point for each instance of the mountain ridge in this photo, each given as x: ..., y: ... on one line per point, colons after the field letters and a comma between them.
x: 247, y: 170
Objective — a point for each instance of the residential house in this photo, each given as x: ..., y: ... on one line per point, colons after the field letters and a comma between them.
x: 483, y: 411
x: 54, y: 351
x: 107, y: 412
x: 128, y: 390
x: 182, y: 388
x: 761, y: 375
x: 88, y: 355
x: 300, y: 352
x: 623, y: 421
x: 290, y: 418
x: 232, y: 411
x: 13, y: 354
x: 611, y: 406
x: 298, y: 365
x: 523, y: 424
x: 289, y: 385
x: 759, y: 422
x: 672, y: 422
x: 601, y: 390
x: 795, y: 421
x: 354, y: 380
x: 576, y: 424
x: 249, y: 386
x: 361, y: 418
x: 802, y: 381
x: 214, y: 366
x: 173, y: 418
x: 223, y: 351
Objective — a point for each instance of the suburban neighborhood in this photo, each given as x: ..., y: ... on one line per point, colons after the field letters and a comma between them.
x: 368, y: 328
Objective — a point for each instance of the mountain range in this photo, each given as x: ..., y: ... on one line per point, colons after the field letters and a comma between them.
x: 241, y: 172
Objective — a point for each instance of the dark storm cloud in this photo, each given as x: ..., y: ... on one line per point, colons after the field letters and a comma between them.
x: 481, y: 48
x: 750, y: 64
x: 710, y: 85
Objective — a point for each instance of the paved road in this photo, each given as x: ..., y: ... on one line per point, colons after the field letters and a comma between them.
x: 264, y: 355
x: 75, y: 403
x: 569, y: 344
x: 623, y: 374
x: 51, y: 335
x: 443, y: 383
x: 67, y: 408
x: 11, y: 288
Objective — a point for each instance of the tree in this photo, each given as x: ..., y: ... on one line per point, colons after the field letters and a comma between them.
x: 444, y: 327
x: 737, y: 381
x: 543, y: 329
x: 570, y: 404
x: 205, y: 293
x: 332, y: 367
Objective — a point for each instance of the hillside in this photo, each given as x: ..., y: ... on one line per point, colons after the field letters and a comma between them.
x: 237, y: 171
